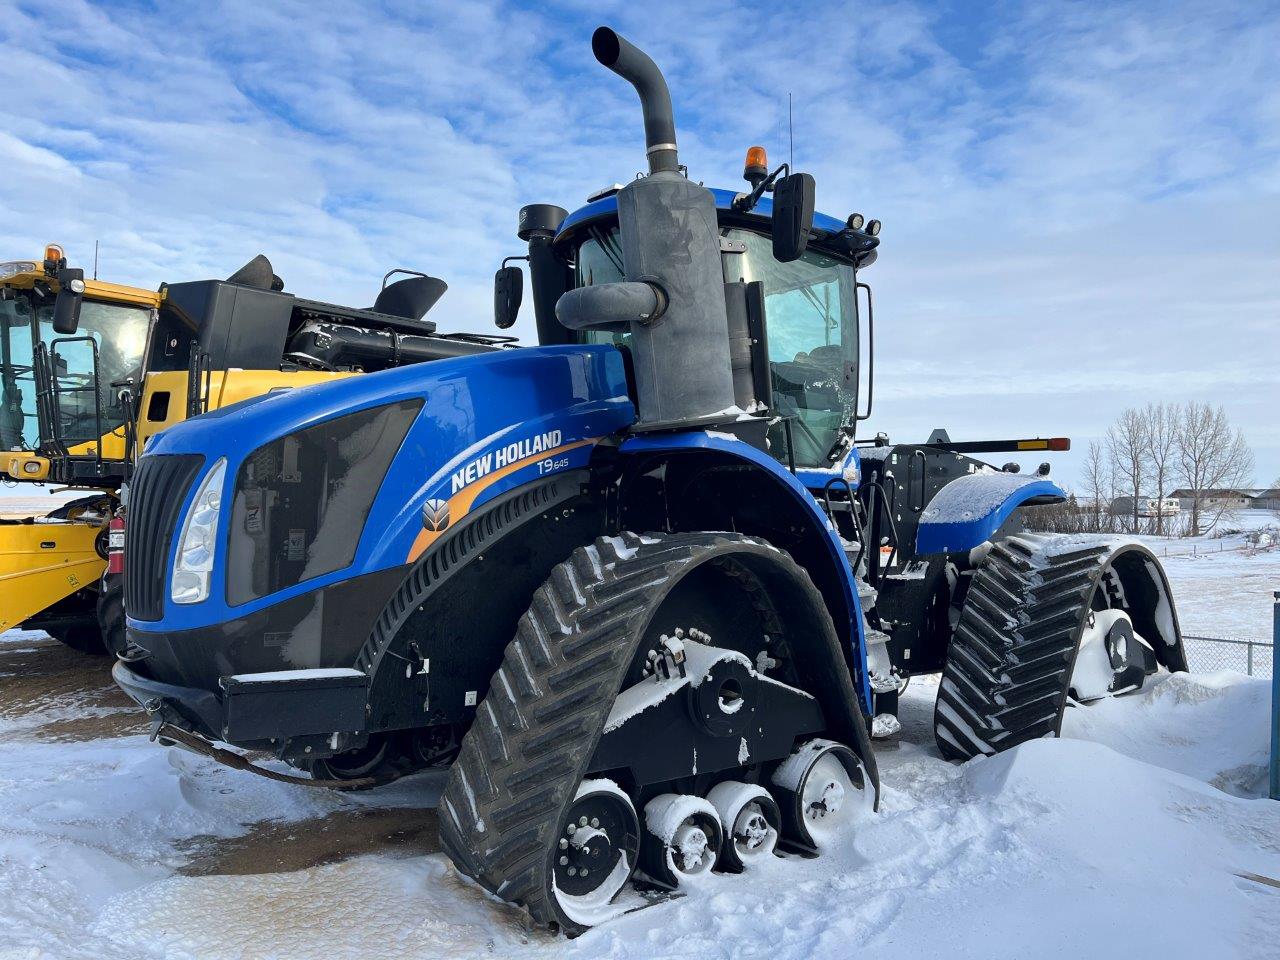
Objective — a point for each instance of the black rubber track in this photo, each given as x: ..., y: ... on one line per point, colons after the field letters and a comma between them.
x: 536, y: 730
x: 1009, y: 664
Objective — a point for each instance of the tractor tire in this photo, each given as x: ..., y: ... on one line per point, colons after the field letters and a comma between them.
x: 84, y: 637
x: 536, y: 730
x: 1010, y: 662
x: 111, y: 614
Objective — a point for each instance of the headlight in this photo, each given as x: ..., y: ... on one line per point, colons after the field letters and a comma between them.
x: 198, y: 545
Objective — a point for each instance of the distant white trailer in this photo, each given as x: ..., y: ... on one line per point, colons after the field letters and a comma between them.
x: 1154, y: 507
x: 1147, y: 507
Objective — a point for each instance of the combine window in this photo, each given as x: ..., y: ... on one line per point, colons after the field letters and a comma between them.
x: 118, y: 332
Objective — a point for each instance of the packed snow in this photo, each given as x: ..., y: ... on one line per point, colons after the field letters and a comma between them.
x: 1141, y: 832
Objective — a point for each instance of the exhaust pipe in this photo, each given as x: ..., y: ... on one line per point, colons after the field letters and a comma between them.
x: 673, y: 299
x: 634, y: 66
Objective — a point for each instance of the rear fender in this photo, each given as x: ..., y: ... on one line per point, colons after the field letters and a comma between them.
x: 970, y: 509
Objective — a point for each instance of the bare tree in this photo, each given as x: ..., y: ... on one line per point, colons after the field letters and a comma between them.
x: 1211, y: 456
x: 1161, y: 452
x: 1127, y: 446
x: 1098, y: 485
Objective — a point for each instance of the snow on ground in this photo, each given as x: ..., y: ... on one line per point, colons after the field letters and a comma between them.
x: 1130, y: 836
x: 1223, y: 589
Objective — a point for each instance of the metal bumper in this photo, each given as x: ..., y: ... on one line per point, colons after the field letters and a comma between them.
x: 187, y: 707
x: 316, y: 712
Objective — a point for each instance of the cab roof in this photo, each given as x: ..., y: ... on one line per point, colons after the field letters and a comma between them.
x: 761, y: 214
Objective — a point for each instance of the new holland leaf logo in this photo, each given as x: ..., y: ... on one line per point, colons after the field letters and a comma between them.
x: 435, y: 515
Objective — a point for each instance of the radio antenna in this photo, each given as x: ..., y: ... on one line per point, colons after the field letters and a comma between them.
x: 791, y: 133
x: 95, y: 259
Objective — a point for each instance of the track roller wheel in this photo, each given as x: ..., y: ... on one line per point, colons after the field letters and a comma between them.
x: 682, y: 840
x: 821, y: 791
x: 751, y: 821
x: 597, y: 851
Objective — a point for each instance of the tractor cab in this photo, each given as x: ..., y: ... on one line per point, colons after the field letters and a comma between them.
x: 807, y: 340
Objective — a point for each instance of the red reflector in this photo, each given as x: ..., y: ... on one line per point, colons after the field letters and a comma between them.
x: 1059, y: 443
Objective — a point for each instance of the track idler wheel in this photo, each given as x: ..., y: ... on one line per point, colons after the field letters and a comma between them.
x: 682, y: 839
x: 751, y: 820
x: 821, y: 790
x: 596, y: 853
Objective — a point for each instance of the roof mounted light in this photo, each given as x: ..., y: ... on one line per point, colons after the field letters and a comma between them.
x: 603, y: 192
x: 756, y: 167
x: 855, y: 221
x: 873, y: 228
x: 53, y: 253
x: 11, y: 268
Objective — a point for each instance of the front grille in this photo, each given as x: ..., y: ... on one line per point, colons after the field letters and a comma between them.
x: 156, y: 495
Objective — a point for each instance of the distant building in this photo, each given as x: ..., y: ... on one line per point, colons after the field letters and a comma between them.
x: 1229, y: 499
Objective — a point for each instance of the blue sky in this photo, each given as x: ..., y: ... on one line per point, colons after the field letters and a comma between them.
x: 1080, y: 199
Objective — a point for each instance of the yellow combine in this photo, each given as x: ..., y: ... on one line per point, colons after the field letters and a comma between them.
x: 90, y: 371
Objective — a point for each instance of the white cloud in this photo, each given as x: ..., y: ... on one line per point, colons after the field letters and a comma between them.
x: 1080, y: 199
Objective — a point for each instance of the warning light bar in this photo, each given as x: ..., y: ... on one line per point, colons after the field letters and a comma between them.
x: 1056, y: 444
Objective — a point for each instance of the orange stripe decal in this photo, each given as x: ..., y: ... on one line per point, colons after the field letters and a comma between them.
x: 459, y: 505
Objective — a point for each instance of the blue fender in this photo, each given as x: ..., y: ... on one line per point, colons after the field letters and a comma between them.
x: 851, y: 628
x: 969, y: 510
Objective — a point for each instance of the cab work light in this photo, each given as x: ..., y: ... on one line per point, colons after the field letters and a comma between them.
x: 12, y: 268
x: 198, y: 545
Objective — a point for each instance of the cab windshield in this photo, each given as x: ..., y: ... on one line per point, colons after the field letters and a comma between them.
x: 812, y: 327
x: 82, y: 382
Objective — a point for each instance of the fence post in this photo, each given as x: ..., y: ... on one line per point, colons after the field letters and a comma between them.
x: 1275, y: 697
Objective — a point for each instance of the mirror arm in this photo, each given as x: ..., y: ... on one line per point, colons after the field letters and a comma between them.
x: 747, y: 201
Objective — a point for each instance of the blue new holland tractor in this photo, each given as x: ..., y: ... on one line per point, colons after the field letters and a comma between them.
x: 640, y: 588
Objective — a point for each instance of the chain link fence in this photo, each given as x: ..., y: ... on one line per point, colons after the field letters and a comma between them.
x: 1208, y: 654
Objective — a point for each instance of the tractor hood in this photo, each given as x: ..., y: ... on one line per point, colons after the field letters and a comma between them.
x: 356, y: 476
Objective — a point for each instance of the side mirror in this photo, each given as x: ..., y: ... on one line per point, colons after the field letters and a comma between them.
x: 793, y: 199
x: 508, y: 291
x: 66, y: 308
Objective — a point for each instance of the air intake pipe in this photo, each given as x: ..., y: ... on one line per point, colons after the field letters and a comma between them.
x: 673, y: 299
x: 634, y: 66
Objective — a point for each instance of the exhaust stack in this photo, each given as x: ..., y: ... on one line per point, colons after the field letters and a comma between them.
x: 634, y: 65
x: 673, y: 298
